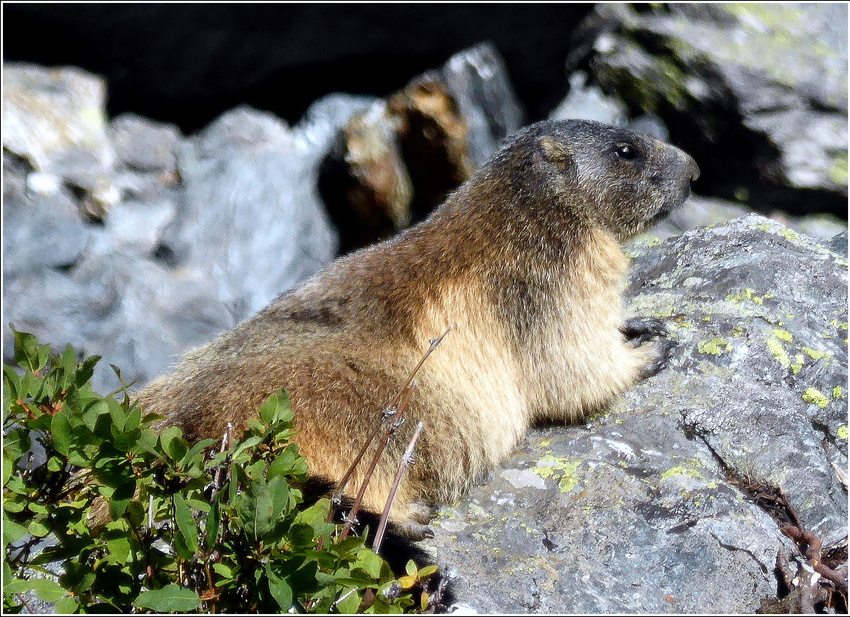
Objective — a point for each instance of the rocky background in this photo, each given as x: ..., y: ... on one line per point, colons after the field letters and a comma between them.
x: 135, y: 239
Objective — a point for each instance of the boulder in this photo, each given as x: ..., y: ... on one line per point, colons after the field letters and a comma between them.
x: 659, y: 505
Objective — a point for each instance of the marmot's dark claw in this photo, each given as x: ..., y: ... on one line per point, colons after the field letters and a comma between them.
x: 639, y: 330
x: 663, y: 348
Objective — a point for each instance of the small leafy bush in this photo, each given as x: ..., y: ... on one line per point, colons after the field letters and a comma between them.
x: 138, y: 520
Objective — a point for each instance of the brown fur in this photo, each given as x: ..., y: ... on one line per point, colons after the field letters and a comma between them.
x: 523, y: 260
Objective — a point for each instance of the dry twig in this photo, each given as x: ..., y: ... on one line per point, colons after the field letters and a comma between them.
x: 406, y: 459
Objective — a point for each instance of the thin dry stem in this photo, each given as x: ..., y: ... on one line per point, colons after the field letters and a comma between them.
x: 352, y: 516
x: 406, y: 459
x: 389, y: 410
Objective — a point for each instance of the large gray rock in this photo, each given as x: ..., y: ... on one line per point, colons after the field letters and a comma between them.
x: 56, y: 120
x: 250, y: 219
x: 642, y: 509
x: 478, y: 80
x: 202, y: 231
x: 760, y: 90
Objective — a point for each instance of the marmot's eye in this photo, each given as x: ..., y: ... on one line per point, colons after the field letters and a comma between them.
x: 627, y: 152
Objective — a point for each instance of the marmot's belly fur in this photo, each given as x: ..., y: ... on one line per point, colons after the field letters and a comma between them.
x: 523, y: 260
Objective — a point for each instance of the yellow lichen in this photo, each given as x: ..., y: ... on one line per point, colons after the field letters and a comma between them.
x: 778, y: 352
x: 714, y: 347
x: 815, y: 397
x: 783, y: 335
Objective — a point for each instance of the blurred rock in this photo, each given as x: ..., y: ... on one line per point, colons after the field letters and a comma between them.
x: 250, y: 218
x: 435, y: 141
x: 55, y: 118
x: 395, y: 162
x: 364, y: 182
x: 478, y: 80
x: 650, y: 508
x: 699, y: 211
x: 586, y: 102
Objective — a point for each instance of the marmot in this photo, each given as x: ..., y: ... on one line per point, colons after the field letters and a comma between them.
x: 523, y: 260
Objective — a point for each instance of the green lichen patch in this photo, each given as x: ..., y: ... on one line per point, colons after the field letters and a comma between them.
x: 815, y: 397
x: 814, y: 354
x: 561, y: 469
x: 680, y: 470
x: 838, y: 169
x: 745, y: 294
x: 778, y: 352
x: 842, y: 431
x: 837, y: 392
x: 714, y: 347
x: 783, y: 335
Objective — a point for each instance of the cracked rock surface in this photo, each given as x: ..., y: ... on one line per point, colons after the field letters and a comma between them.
x: 640, y: 510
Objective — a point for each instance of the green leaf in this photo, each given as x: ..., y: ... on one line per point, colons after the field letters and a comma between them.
x: 38, y: 528
x: 86, y: 370
x: 28, y: 353
x: 349, y: 603
x: 119, y: 415
x: 12, y: 531
x: 55, y: 464
x: 170, y: 599
x: 170, y: 439
x: 63, y: 433
x: 93, y: 411
x: 46, y: 590
x: 185, y: 523
x: 121, y: 498
x: 68, y: 364
x: 276, y: 408
x: 119, y: 549
x: 279, y: 589
x: 223, y: 570
x: 213, y: 522
x: 411, y: 568
x: 427, y: 571
x: 195, y: 450
x: 67, y: 605
x: 134, y: 419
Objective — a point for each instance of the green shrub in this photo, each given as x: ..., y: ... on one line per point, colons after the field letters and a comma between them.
x: 185, y: 527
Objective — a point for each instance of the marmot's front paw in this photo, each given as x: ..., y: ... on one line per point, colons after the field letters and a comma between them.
x: 662, y: 349
x: 639, y: 330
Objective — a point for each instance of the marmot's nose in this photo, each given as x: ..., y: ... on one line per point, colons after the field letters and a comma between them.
x: 692, y: 168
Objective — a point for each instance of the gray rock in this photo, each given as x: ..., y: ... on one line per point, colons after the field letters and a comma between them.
x: 143, y: 145
x: 55, y: 118
x: 133, y: 312
x: 637, y: 510
x: 250, y: 219
x: 38, y: 229
x: 759, y: 90
x: 586, y: 102
x: 478, y: 80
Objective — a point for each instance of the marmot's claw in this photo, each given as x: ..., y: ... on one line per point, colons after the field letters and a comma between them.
x: 639, y: 330
x: 663, y: 348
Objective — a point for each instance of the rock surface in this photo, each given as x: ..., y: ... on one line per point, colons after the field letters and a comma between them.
x: 640, y: 509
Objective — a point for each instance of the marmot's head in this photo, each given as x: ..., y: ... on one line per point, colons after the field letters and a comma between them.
x: 613, y: 177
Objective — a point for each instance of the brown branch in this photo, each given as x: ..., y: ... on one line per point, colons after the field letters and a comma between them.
x: 25, y: 603
x: 814, y: 545
x: 406, y: 459
x: 352, y: 515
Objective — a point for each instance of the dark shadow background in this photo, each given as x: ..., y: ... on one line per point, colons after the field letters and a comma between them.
x: 187, y: 63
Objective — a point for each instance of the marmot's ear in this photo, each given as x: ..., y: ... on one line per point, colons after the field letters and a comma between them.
x: 555, y: 153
